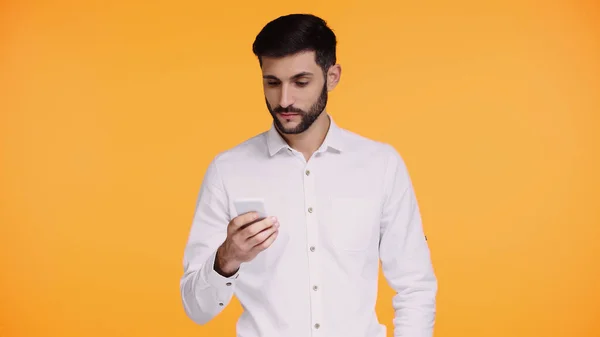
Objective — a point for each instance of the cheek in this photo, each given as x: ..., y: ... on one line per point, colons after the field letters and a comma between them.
x: 311, y: 97
x: 272, y: 101
x: 271, y: 97
x: 273, y: 93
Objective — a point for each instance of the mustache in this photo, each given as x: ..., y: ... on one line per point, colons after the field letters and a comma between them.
x: 280, y: 109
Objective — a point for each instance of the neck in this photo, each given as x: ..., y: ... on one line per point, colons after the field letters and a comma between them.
x: 310, y: 140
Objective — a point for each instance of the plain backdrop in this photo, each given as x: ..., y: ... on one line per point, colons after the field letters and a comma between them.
x: 110, y: 112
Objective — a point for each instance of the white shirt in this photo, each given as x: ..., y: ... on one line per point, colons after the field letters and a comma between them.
x: 349, y: 207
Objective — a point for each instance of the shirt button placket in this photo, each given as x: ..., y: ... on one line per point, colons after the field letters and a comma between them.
x: 313, y: 256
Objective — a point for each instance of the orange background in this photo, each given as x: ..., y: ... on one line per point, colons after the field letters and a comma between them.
x: 112, y: 110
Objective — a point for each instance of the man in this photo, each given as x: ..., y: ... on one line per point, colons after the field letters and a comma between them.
x: 338, y: 203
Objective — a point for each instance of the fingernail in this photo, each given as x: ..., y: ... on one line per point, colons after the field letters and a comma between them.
x: 274, y: 219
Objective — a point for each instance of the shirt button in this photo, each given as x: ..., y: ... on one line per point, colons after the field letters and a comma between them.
x: 315, y: 288
x: 307, y: 172
x: 221, y: 303
x: 312, y: 248
x: 228, y: 284
x: 317, y: 325
x: 310, y: 210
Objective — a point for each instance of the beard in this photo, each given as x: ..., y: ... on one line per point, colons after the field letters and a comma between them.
x: 307, y: 117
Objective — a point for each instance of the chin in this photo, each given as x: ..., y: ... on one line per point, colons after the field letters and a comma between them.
x: 287, y: 128
x: 290, y: 131
x: 288, y: 124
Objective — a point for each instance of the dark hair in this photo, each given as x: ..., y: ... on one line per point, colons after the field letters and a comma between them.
x: 294, y: 33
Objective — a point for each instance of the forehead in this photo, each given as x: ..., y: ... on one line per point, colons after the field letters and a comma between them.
x: 288, y: 66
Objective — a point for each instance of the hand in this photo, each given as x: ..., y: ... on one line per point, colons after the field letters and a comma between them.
x: 246, y: 237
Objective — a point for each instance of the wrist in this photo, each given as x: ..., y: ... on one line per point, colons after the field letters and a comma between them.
x: 225, y: 265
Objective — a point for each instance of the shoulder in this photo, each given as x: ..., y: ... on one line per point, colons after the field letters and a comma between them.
x: 381, y: 157
x: 384, y: 151
x: 229, y: 160
x: 253, y: 147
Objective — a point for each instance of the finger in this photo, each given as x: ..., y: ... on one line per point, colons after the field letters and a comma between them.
x: 267, y: 242
x: 255, y: 228
x: 243, y: 219
x: 262, y: 235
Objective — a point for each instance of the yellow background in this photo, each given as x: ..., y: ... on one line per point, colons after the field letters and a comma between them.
x: 111, y: 111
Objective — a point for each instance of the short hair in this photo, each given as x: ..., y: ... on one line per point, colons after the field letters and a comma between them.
x: 294, y: 33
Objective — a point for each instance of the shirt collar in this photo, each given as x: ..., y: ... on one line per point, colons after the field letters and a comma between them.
x: 333, y: 139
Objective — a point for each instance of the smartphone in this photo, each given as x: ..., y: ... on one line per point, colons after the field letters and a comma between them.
x: 251, y: 205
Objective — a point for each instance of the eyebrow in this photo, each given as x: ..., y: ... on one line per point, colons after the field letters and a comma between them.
x: 302, y: 74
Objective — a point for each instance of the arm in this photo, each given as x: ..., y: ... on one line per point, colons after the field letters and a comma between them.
x: 405, y: 255
x: 204, y: 291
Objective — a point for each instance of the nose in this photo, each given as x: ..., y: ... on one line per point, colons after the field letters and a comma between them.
x: 285, y: 98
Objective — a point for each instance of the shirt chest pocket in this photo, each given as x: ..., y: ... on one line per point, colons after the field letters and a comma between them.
x: 352, y: 223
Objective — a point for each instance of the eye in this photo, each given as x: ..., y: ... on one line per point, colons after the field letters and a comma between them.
x: 272, y: 83
x: 301, y: 84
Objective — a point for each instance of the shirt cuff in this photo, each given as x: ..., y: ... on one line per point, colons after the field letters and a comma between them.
x: 217, y: 280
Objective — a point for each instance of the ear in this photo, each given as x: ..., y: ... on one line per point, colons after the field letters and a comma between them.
x: 333, y: 76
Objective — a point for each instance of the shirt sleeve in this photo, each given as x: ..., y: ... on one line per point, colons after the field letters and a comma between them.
x: 405, y: 255
x: 205, y: 292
